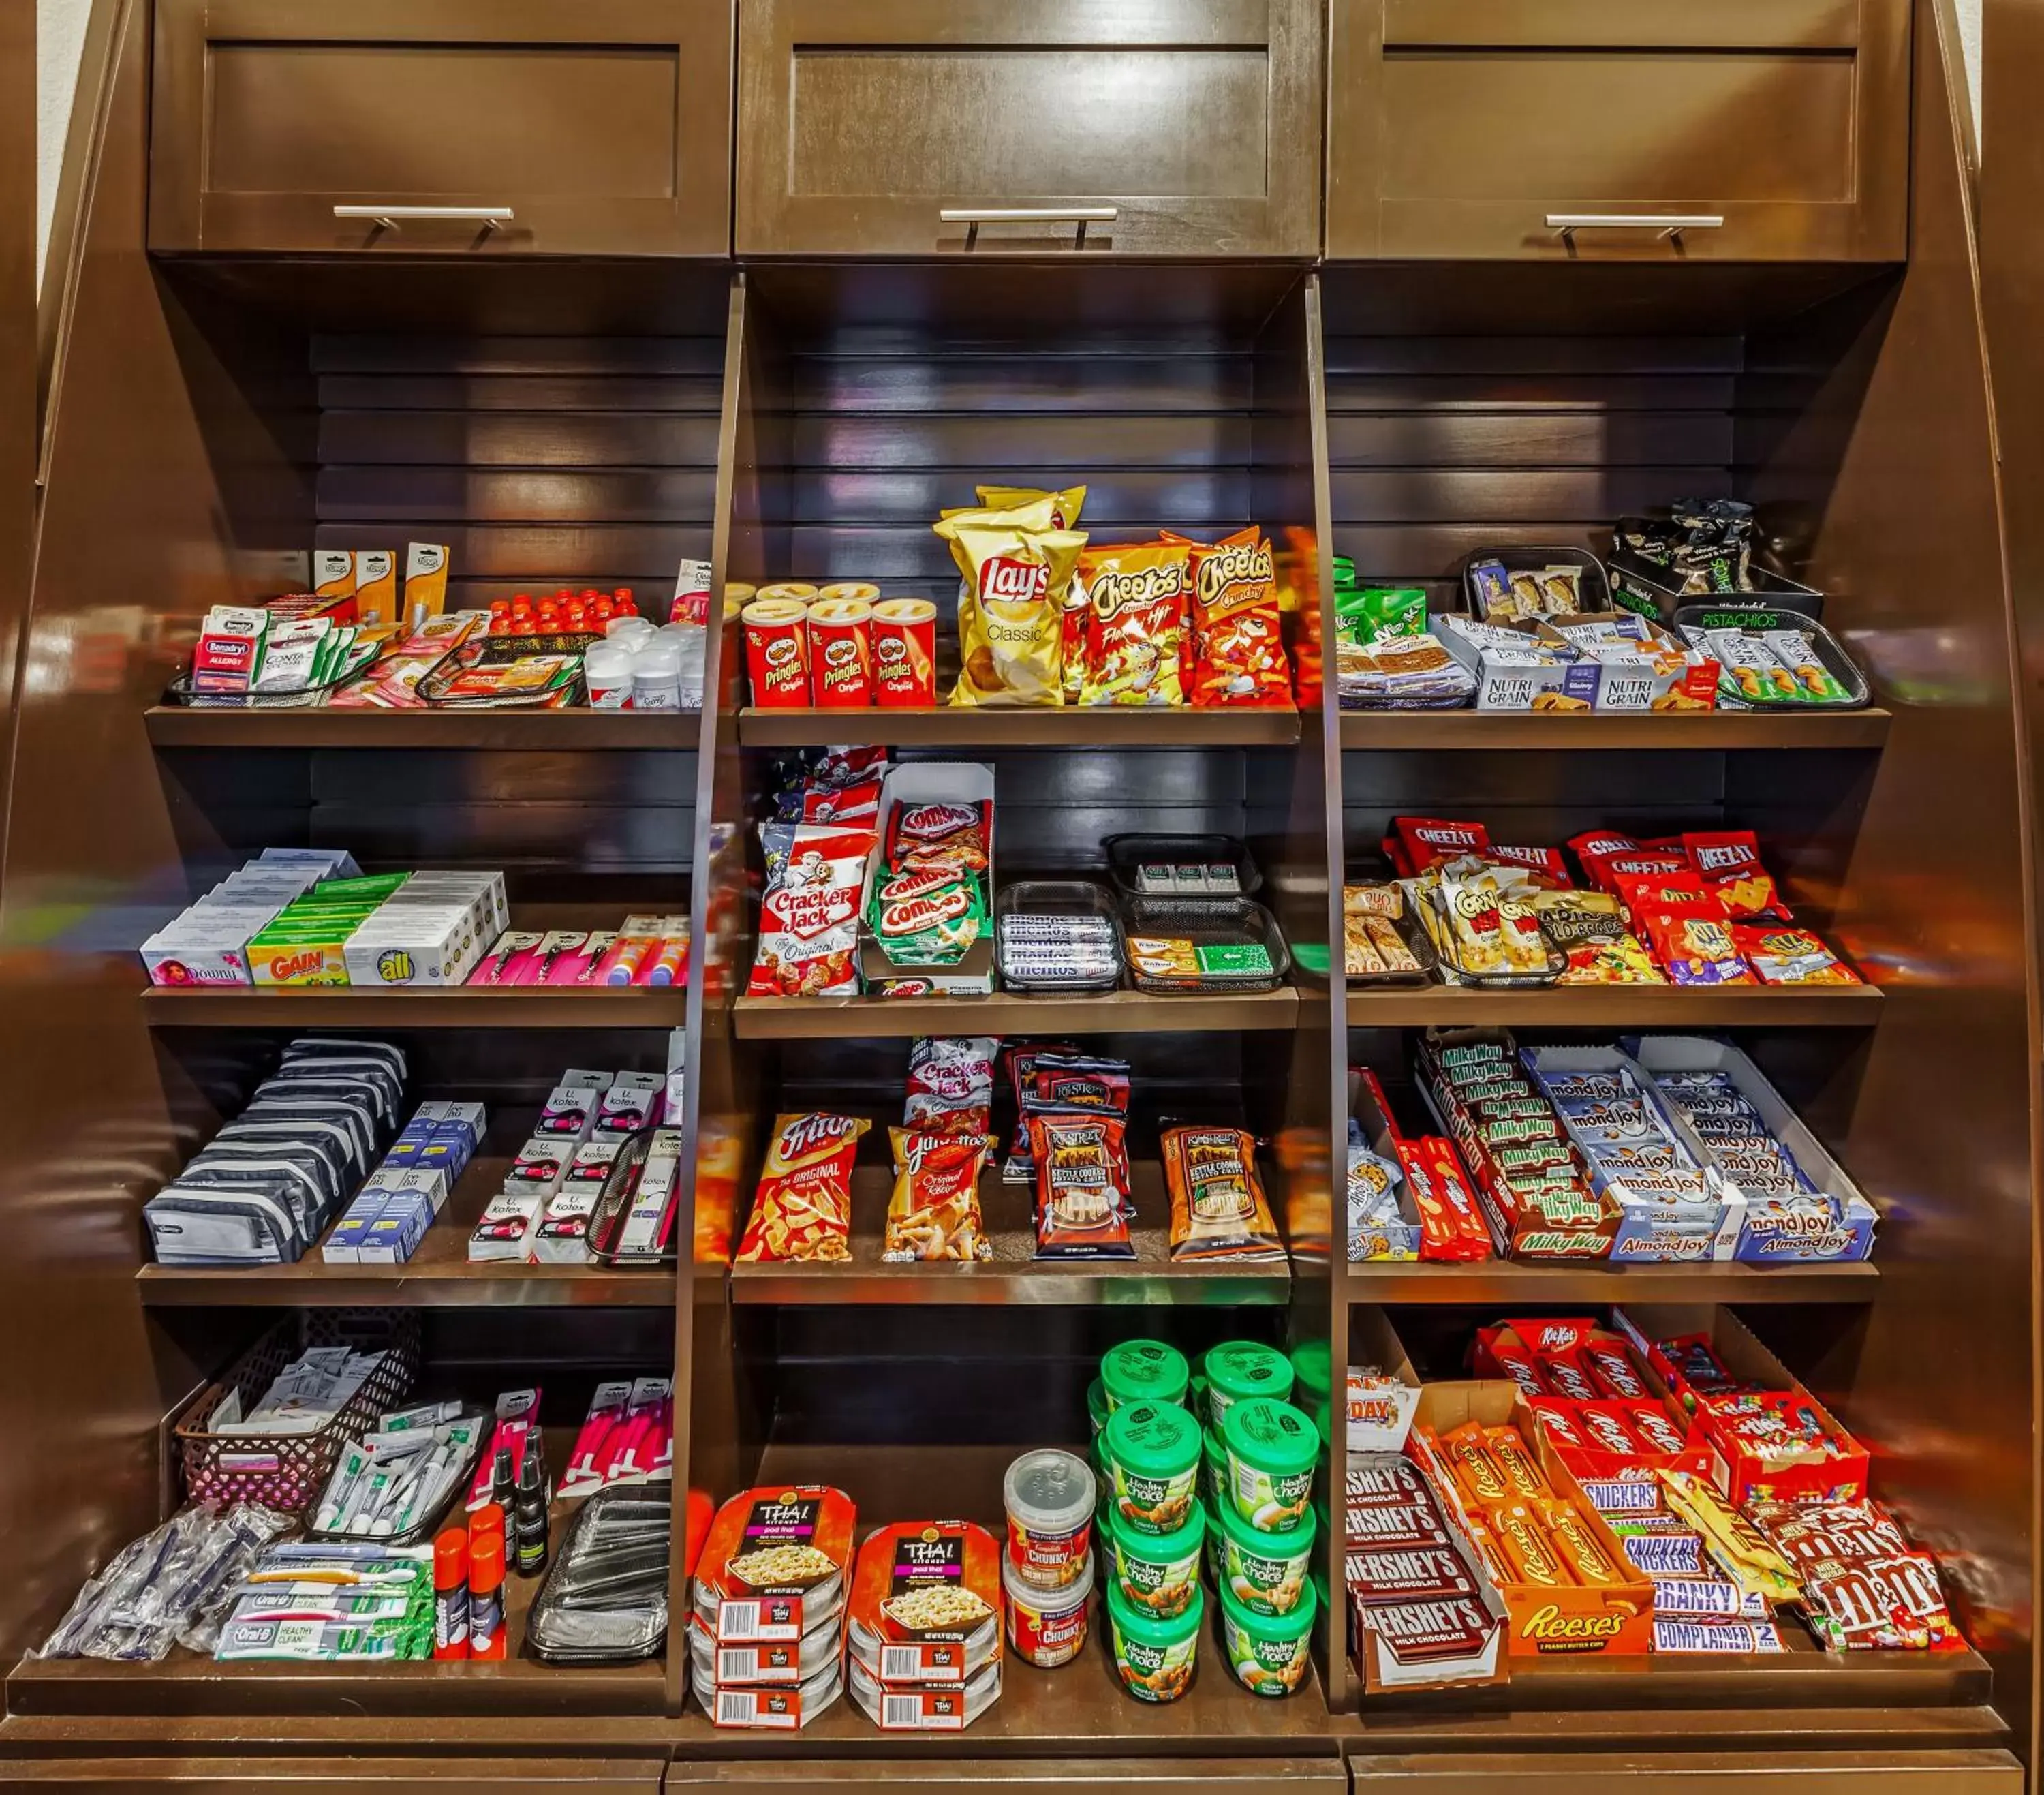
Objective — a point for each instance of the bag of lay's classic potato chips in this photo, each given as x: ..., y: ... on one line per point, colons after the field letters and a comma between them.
x: 1137, y: 598
x: 1011, y: 616
x: 1024, y: 505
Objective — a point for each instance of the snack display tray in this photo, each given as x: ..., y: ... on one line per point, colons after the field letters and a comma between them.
x: 500, y: 651
x: 1557, y: 962
x: 1074, y: 897
x: 1206, y: 922
x: 1594, y: 586
x: 1645, y: 590
x: 1599, y: 1280
x: 1804, y: 727
x: 1830, y: 652
x: 180, y: 694
x: 1126, y: 852
x: 1014, y: 1274
x: 1416, y: 939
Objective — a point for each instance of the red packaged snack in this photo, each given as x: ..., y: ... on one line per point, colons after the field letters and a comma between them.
x: 1062, y: 1084
x: 1133, y: 609
x: 954, y: 836
x: 803, y: 1208
x: 1610, y: 1366
x: 1606, y: 856
x: 1656, y: 1432
x: 1550, y: 871
x: 1684, y: 927
x: 951, y: 1085
x: 1789, y: 956
x: 1558, y: 1424
x: 933, y: 1212
x: 1518, y: 1364
x: 1728, y: 862
x: 1082, y: 1202
x: 773, y: 1564
x: 808, y: 917
x: 1607, y: 1428
x: 1692, y: 1362
x: 1567, y: 1376
x: 1422, y: 840
x: 1451, y: 1226
x: 853, y: 804
x: 1020, y: 1058
x: 1238, y: 638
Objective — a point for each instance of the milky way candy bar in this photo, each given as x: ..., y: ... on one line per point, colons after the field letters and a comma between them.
x: 1407, y: 1573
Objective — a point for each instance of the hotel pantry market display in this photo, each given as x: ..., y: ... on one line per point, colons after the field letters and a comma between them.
x: 817, y: 981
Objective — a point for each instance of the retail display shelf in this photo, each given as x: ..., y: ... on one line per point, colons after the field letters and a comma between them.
x: 321, y: 727
x: 1497, y: 1280
x: 1029, y: 726
x: 460, y: 1006
x: 1014, y: 1274
x: 1113, y: 1012
x: 1618, y: 1007
x: 1683, y: 729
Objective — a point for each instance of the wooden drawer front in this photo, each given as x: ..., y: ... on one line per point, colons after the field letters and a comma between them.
x: 603, y: 126
x: 1701, y: 1773
x: 352, y: 1775
x: 1460, y: 127
x: 967, y: 1774
x: 862, y: 120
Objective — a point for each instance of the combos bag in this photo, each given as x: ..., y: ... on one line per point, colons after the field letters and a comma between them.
x: 1012, y: 611
x: 803, y: 1209
x: 1238, y: 640
x: 1135, y: 613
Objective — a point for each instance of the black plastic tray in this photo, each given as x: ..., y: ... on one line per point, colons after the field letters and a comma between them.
x: 611, y: 1203
x: 1206, y: 921
x: 1557, y: 962
x: 497, y: 651
x: 1594, y: 586
x: 301, y: 697
x: 1412, y: 933
x: 1060, y: 897
x: 1638, y: 585
x: 1829, y: 652
x: 1126, y: 852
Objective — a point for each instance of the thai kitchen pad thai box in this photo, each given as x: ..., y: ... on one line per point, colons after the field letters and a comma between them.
x: 775, y: 1564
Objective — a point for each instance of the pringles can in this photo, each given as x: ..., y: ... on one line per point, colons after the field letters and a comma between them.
x: 850, y: 589
x: 777, y: 652
x: 904, y: 652
x: 841, y: 654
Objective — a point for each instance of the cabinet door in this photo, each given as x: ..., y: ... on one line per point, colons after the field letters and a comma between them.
x: 489, y: 127
x: 1697, y: 1773
x: 964, y: 1773
x: 1181, y: 127
x: 1767, y: 129
x: 353, y: 1775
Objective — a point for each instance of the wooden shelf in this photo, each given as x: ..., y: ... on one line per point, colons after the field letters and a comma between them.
x: 1497, y: 1280
x: 180, y: 726
x: 1113, y: 1012
x: 461, y: 1006
x: 1687, y: 730
x: 439, y: 1275
x: 1032, y: 726
x: 1618, y: 1006
x: 1014, y: 1274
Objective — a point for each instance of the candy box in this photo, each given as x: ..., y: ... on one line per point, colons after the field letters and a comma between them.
x: 1380, y: 1410
x: 1389, y: 1238
x: 963, y: 784
x: 1655, y: 1228
x: 1614, y: 1619
x: 1838, y: 1475
x: 1774, y: 1233
x: 1517, y: 666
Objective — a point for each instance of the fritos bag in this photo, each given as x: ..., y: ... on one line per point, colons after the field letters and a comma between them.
x: 1218, y: 1207
x: 1135, y: 608
x: 808, y: 917
x: 933, y: 1212
x: 1238, y: 638
x: 1011, y: 615
x: 802, y: 1209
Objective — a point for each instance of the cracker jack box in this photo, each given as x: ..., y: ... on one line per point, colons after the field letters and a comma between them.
x: 1836, y: 1472
x: 927, y: 792
x: 1609, y: 1620
x: 1570, y: 1422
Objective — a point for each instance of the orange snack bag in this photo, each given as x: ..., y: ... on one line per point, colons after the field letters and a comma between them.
x: 1136, y: 598
x: 803, y: 1208
x: 1238, y: 637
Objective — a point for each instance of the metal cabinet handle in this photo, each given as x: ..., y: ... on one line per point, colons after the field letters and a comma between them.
x: 1671, y: 226
x: 390, y: 216
x: 972, y: 217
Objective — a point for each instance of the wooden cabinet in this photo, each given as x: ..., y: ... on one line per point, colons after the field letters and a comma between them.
x: 352, y: 1773
x: 484, y: 127
x: 1762, y: 130
x: 1163, y: 127
x: 1697, y: 1773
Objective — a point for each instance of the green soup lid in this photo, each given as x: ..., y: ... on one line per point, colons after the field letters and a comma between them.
x: 1097, y: 1406
x: 1160, y: 1548
x: 1241, y: 1369
x: 1144, y: 1371
x: 1312, y: 1365
x: 1153, y: 1439
x: 1216, y: 1452
x: 1145, y: 1628
x: 1257, y: 1543
x: 1273, y: 1436
x: 1285, y: 1626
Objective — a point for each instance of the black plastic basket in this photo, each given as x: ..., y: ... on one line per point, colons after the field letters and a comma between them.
x: 1126, y: 852
x: 425, y: 1529
x: 1074, y: 897
x: 1205, y: 922
x: 607, y: 1219
x: 1412, y: 932
x: 1594, y: 587
x: 1557, y: 962
x: 1830, y: 653
x: 301, y: 697
x: 1639, y: 585
x: 500, y: 651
